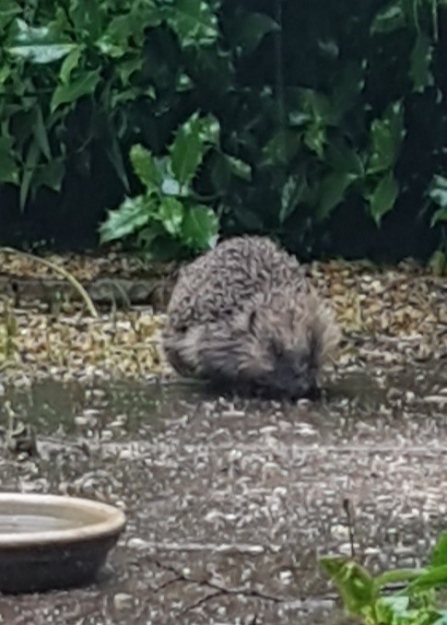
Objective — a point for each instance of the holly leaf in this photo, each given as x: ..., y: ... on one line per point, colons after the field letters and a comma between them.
x: 84, y: 84
x: 128, y: 219
x: 145, y: 168
x: 200, y: 227
x: 171, y: 213
x: 384, y: 196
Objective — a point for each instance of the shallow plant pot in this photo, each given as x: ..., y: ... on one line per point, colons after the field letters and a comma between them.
x: 50, y: 541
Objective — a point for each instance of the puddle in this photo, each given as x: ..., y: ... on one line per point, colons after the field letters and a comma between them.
x: 230, y: 502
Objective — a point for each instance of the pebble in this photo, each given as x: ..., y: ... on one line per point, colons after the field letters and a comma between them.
x: 436, y: 399
x: 137, y: 543
x: 122, y: 601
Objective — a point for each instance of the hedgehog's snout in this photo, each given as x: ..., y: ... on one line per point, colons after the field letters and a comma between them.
x: 293, y: 374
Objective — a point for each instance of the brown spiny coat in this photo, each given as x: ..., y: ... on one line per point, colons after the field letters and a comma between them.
x: 244, y: 315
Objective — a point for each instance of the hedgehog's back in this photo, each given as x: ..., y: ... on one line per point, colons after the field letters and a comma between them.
x: 223, y: 279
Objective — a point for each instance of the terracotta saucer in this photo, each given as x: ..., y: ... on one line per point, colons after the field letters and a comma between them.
x: 51, y: 541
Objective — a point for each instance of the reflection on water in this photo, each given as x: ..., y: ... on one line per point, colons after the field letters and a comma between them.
x: 24, y: 523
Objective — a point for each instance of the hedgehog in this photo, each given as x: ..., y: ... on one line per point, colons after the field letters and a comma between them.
x: 244, y: 316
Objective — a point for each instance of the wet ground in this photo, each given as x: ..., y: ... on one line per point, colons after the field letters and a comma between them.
x: 230, y: 503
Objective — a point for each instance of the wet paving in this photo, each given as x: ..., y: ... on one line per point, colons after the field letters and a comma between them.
x: 230, y: 502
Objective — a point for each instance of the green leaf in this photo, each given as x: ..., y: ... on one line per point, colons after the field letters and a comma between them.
x: 396, y: 576
x: 123, y: 96
x: 85, y: 84
x: 354, y: 583
x: 420, y: 63
x: 158, y: 246
x: 187, y: 151
x: 25, y: 120
x: 280, y: 149
x: 209, y: 130
x: 384, y: 196
x: 183, y: 83
x: 332, y: 191
x: 389, y: 19
x: 439, y: 554
x: 113, y: 151
x: 171, y: 214
x: 146, y: 236
x: 121, y: 29
x: 51, y: 175
x: 146, y: 168
x: 123, y: 32
x: 9, y: 171
x: 314, y: 104
x: 342, y: 158
x: 200, y: 228
x: 439, y: 216
x: 69, y: 64
x: 40, y: 133
x: 437, y: 190
x: 29, y: 169
x: 430, y: 578
x: 315, y: 139
x: 128, y: 219
x: 87, y: 19
x: 316, y: 112
x: 387, y: 134
x: 189, y: 148
x: 251, y: 29
x: 398, y: 604
x: 411, y: 9
x: 292, y: 194
x: 238, y: 168
x: 10, y: 9
x: 127, y: 68
x: 194, y: 22
x: 224, y: 166
x: 39, y: 45
x: 171, y: 187
x: 6, y: 72
x: 350, y: 82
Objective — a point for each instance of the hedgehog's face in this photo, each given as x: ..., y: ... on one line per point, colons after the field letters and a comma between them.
x: 280, y: 357
x: 289, y: 367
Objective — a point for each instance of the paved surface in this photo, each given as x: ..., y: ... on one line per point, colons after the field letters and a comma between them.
x: 230, y: 503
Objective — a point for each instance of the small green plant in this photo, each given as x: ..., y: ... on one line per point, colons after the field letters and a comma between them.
x: 168, y: 219
x: 364, y: 596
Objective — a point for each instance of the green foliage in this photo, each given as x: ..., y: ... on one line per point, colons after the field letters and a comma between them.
x: 386, y: 138
x: 168, y: 220
x: 79, y: 66
x: 437, y: 192
x: 310, y: 115
x: 364, y: 596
